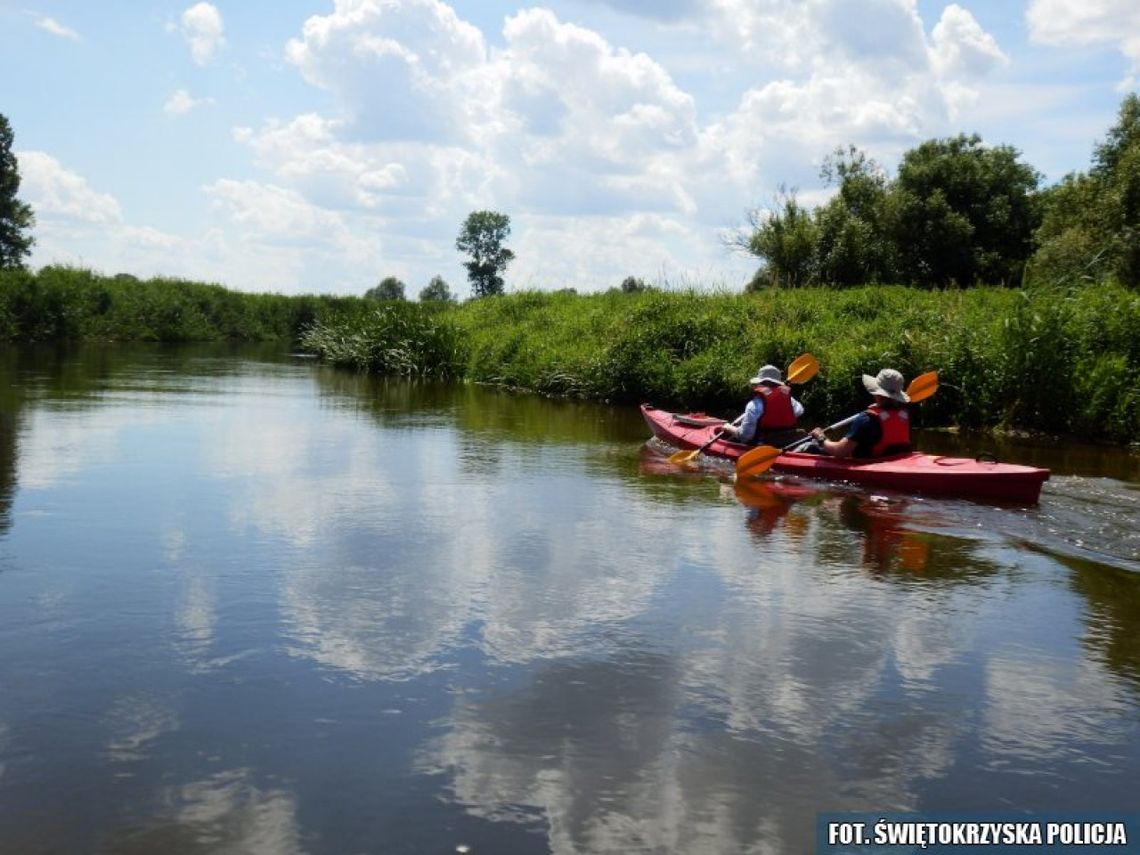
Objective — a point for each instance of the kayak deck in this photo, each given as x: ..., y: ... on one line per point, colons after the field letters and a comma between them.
x: 912, y: 472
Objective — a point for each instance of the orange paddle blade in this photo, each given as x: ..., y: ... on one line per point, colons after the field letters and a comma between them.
x: 756, y: 461
x: 803, y: 368
x: 922, y: 387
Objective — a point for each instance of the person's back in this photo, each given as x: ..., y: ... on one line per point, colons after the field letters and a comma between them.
x: 881, y: 430
x: 771, y: 415
x: 885, y: 432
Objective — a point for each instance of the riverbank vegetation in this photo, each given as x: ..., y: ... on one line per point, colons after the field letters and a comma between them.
x: 1061, y: 361
x: 70, y: 304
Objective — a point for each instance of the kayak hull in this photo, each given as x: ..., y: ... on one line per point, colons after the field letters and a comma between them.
x: 914, y: 472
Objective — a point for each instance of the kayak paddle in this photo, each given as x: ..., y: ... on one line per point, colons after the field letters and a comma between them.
x: 802, y: 369
x: 759, y: 460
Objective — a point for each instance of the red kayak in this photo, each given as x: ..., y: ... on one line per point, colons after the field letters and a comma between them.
x: 913, y: 472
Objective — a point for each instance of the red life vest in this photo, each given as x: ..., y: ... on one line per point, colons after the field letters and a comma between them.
x: 896, y: 430
x: 778, y: 412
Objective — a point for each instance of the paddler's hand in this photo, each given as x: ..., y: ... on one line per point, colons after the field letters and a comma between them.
x: 818, y: 435
x: 729, y: 429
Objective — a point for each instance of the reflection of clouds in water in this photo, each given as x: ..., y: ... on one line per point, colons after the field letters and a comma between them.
x: 411, y: 551
x: 536, y: 587
x: 195, y: 620
x: 226, y: 812
x: 789, y: 687
x: 304, y: 478
x: 363, y: 620
x: 134, y: 723
x: 381, y: 592
x: 610, y: 757
x: 548, y: 583
x: 580, y: 754
x: 1037, y: 708
x: 57, y: 444
x: 930, y: 638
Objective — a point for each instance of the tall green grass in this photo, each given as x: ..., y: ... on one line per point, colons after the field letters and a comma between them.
x: 64, y: 303
x: 1063, y: 362
x: 391, y: 338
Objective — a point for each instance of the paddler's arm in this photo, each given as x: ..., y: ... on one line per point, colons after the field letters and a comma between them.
x: 843, y: 447
x: 833, y: 447
x: 743, y: 428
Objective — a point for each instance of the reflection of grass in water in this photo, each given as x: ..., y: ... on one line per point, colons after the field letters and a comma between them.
x: 1113, y: 618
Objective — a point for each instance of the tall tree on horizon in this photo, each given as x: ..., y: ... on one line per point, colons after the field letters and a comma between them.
x: 482, y: 239
x: 16, y: 217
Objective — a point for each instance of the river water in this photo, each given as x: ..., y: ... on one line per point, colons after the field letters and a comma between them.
x: 252, y: 604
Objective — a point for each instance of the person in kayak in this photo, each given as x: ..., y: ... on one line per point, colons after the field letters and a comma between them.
x: 771, y: 415
x: 882, y: 430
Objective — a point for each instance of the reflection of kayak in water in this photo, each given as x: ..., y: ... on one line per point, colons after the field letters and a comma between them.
x: 913, y: 472
x: 886, y: 541
x: 768, y: 494
x: 770, y: 503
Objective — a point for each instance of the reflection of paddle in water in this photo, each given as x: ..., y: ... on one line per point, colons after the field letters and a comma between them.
x: 769, y: 504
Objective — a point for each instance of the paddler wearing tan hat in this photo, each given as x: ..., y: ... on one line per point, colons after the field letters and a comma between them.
x: 881, y: 430
x: 771, y: 414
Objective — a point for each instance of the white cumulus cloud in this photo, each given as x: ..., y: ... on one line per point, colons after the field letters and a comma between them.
x: 962, y: 48
x: 56, y: 192
x: 421, y: 51
x: 181, y: 102
x: 51, y: 25
x: 1087, y: 23
x: 203, y: 29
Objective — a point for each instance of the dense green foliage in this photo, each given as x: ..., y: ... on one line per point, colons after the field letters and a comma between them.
x: 481, y: 238
x: 633, y: 284
x: 437, y: 289
x: 958, y: 213
x: 1062, y: 361
x: 16, y: 217
x: 61, y: 303
x: 399, y: 338
x: 1091, y: 222
x: 389, y: 288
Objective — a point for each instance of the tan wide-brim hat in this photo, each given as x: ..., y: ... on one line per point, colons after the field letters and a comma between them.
x: 767, y: 374
x: 888, y: 383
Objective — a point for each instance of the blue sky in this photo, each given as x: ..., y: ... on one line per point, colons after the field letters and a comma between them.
x: 304, y: 146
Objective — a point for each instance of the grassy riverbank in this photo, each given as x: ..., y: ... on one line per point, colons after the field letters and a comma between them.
x: 63, y: 303
x: 1056, y: 361
x: 1064, y: 362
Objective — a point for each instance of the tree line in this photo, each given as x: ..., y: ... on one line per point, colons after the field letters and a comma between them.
x: 958, y: 213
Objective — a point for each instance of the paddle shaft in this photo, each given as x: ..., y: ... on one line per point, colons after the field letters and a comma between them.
x: 802, y: 442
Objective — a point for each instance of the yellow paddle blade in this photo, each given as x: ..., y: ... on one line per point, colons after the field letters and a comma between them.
x: 803, y: 368
x: 756, y: 461
x: 922, y: 387
x: 679, y: 457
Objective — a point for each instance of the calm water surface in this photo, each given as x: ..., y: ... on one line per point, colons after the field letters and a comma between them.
x: 250, y: 604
